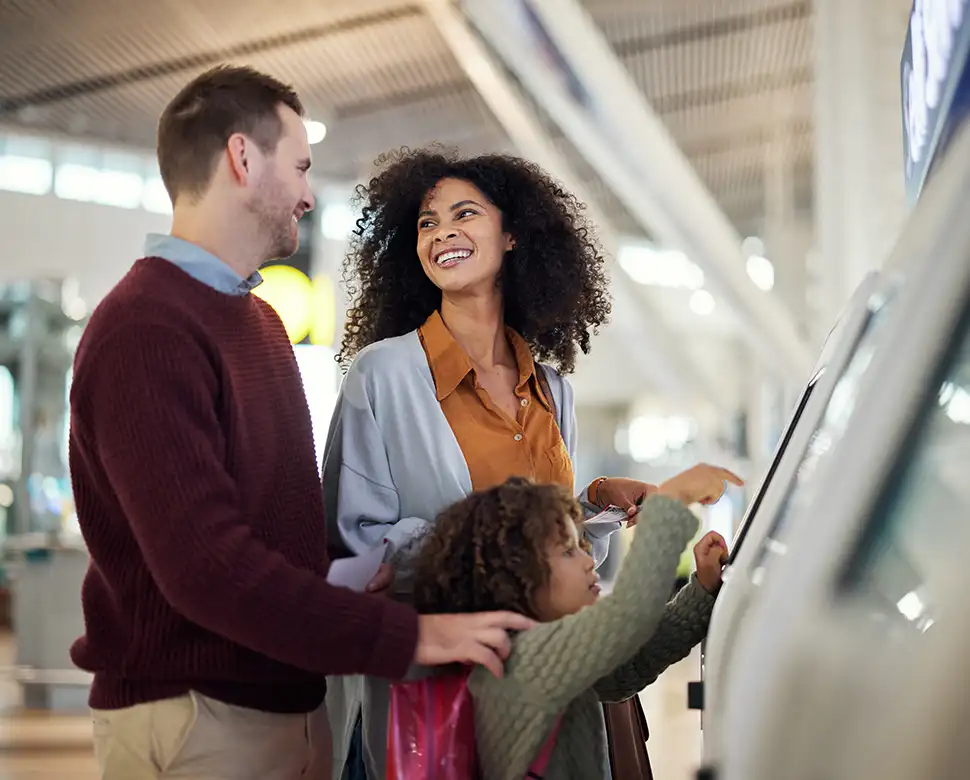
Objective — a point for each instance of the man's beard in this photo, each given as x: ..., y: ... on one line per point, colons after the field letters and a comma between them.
x: 276, y: 224
x: 283, y: 243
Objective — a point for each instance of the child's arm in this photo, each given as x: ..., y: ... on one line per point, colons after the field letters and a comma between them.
x: 555, y: 662
x: 683, y: 625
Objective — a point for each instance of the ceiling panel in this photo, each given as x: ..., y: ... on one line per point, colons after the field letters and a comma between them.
x: 728, y: 78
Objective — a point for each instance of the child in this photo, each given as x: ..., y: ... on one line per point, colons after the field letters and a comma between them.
x: 517, y: 547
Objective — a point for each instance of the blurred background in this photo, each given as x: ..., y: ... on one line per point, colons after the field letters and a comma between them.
x: 742, y: 159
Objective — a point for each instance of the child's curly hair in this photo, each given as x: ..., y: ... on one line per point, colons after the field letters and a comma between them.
x: 488, y: 551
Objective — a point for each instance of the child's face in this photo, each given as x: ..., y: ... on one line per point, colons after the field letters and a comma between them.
x: 573, y: 582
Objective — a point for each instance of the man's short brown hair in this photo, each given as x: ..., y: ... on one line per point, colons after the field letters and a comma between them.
x: 195, y: 127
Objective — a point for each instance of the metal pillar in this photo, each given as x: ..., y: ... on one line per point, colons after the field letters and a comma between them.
x: 859, y: 186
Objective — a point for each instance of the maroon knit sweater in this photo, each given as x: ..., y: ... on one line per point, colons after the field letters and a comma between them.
x: 197, y: 491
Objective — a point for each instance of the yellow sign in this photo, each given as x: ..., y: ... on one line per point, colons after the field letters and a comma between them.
x: 307, y: 308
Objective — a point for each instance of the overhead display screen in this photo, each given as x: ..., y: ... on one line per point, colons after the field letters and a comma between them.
x: 935, y: 84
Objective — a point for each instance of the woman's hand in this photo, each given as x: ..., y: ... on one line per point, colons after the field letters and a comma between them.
x: 702, y: 484
x: 381, y: 584
x: 625, y: 493
x: 710, y: 555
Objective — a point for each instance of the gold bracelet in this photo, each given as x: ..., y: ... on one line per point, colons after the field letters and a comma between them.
x: 596, y: 491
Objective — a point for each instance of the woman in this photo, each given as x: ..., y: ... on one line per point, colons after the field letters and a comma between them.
x: 463, y: 272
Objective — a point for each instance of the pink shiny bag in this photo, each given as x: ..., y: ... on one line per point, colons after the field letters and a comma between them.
x: 431, y: 730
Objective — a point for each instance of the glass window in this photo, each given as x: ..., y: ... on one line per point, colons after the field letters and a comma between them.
x: 925, y: 517
x: 76, y: 182
x: 95, y: 185
x: 28, y: 146
x: 122, y: 189
x: 28, y: 175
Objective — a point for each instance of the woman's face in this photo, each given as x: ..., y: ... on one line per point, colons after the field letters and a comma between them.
x: 461, y: 243
x: 573, y: 581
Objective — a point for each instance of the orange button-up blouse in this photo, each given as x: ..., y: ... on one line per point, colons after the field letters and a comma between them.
x: 495, y: 446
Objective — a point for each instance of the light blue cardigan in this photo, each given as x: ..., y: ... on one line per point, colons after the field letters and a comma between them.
x: 392, y: 463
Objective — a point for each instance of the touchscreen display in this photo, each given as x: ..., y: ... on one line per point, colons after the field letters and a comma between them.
x: 769, y: 475
x: 923, y: 522
x: 832, y: 427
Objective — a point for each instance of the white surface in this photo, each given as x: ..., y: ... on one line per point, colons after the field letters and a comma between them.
x: 809, y: 668
x: 743, y: 574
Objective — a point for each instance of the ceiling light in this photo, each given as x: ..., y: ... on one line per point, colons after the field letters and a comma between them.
x: 315, y: 131
x: 761, y: 271
x: 702, y: 303
x: 660, y: 268
x: 648, y: 438
x: 338, y: 221
x: 752, y: 245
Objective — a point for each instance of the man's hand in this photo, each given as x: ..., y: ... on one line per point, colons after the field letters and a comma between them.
x: 710, y: 555
x: 381, y: 584
x: 480, y: 638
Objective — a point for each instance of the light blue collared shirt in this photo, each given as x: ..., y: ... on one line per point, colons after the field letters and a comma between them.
x: 201, y: 265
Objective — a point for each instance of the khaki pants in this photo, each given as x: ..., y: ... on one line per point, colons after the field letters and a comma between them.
x: 193, y: 737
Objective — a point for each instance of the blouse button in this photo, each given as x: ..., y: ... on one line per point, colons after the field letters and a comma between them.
x: 518, y: 437
x: 524, y: 402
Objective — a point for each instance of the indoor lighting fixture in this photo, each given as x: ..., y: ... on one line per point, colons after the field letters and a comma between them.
x: 651, y: 437
x: 660, y: 268
x: 702, y: 303
x: 760, y: 269
x: 761, y: 272
x: 337, y: 221
x: 752, y: 245
x: 315, y: 131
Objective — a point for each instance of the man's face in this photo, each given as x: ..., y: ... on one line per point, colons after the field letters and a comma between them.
x: 281, y: 190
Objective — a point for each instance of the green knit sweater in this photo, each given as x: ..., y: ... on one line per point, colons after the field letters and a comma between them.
x: 605, y: 653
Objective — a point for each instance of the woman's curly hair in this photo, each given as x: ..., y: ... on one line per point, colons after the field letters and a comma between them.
x: 488, y: 551
x: 553, y: 281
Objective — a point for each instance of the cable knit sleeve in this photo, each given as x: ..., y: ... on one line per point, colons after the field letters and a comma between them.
x: 555, y: 662
x: 683, y: 624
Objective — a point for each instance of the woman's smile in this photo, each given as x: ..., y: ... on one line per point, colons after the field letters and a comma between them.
x: 449, y: 258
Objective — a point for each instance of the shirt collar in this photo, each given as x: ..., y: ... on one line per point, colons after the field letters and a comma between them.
x: 450, y: 365
x: 200, y: 264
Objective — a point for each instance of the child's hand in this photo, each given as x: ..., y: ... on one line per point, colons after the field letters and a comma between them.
x: 710, y: 555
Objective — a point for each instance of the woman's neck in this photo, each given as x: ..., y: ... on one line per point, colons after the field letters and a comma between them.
x: 478, y: 325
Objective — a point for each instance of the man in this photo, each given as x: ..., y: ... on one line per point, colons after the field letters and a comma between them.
x: 209, y: 621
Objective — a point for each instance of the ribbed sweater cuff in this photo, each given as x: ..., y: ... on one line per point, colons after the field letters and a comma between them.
x: 697, y: 595
x: 396, y: 642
